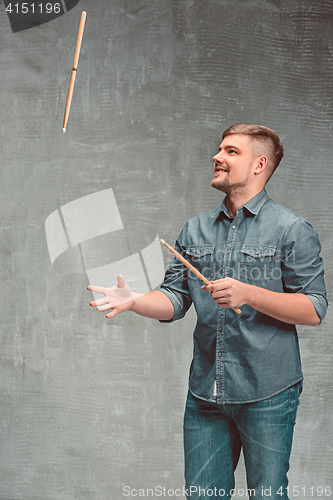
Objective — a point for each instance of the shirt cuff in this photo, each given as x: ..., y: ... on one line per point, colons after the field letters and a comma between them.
x: 320, y: 304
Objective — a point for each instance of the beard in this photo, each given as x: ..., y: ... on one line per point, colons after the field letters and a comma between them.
x: 234, y: 189
x: 228, y: 187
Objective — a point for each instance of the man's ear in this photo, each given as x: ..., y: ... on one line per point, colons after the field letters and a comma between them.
x: 261, y: 164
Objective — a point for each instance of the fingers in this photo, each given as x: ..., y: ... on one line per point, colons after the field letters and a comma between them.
x: 121, y: 283
x: 104, y: 308
x: 208, y: 288
x: 217, y: 285
x: 213, y: 287
x: 125, y: 306
x: 99, y: 302
x: 219, y: 290
x: 97, y: 289
x: 113, y: 313
x: 220, y: 294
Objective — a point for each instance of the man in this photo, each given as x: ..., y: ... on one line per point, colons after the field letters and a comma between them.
x: 245, y: 377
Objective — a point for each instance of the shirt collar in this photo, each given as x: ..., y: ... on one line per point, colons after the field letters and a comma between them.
x: 253, y: 206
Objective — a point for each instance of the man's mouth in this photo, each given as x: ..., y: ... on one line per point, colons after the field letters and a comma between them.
x: 220, y: 169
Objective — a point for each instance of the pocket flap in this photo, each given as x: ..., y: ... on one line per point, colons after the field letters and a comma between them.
x: 200, y: 250
x: 259, y: 251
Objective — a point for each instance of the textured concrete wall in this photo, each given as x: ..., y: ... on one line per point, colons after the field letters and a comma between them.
x: 89, y: 405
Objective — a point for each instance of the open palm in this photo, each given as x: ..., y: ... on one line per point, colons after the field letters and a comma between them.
x: 120, y: 298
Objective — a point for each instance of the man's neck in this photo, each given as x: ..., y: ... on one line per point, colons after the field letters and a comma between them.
x: 235, y: 201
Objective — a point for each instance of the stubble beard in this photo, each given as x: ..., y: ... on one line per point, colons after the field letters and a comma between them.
x: 230, y: 189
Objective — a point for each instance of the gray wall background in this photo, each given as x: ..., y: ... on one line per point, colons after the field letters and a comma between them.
x: 89, y: 405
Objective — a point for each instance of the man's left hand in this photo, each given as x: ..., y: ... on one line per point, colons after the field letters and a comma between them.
x: 228, y: 292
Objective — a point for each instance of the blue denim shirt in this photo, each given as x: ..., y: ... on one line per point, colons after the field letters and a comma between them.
x: 251, y: 356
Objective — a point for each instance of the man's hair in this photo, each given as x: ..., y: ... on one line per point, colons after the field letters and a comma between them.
x: 268, y: 142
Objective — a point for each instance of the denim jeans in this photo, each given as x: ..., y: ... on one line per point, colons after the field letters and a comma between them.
x: 214, y: 435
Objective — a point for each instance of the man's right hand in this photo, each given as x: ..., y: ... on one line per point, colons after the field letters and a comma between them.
x: 120, y: 298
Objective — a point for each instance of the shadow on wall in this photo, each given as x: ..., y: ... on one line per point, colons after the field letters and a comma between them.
x: 87, y: 235
x: 25, y: 15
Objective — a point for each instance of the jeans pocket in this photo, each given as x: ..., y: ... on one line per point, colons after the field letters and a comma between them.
x: 299, y: 391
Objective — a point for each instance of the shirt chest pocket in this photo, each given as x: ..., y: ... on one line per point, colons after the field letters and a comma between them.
x: 202, y: 258
x: 257, y: 262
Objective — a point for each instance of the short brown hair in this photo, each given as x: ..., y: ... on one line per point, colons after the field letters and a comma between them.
x: 265, y: 137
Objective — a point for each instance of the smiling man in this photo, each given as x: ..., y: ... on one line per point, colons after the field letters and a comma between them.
x: 245, y: 377
x: 237, y: 153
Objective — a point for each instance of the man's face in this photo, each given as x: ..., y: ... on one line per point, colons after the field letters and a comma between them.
x: 234, y: 164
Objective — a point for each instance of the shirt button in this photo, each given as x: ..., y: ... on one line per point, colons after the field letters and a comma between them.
x: 228, y: 251
x: 220, y: 328
x: 233, y: 226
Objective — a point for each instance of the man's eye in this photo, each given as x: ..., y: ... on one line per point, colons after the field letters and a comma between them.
x: 232, y: 151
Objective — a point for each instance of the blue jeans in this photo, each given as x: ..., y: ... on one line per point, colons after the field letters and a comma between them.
x: 214, y: 435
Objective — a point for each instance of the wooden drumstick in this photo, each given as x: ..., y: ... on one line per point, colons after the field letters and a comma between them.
x: 192, y: 269
x: 74, y: 69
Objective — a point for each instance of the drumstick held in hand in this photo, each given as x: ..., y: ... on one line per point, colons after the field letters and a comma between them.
x: 74, y: 69
x: 193, y: 269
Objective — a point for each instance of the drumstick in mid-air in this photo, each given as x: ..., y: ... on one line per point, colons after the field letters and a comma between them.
x: 193, y: 269
x: 74, y: 69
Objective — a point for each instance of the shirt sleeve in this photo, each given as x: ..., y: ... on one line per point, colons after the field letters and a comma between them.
x: 302, y: 266
x: 175, y: 284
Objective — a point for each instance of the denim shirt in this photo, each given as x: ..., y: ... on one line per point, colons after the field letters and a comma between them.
x: 247, y: 357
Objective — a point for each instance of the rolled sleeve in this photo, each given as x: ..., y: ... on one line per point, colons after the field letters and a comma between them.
x: 302, y: 266
x: 320, y: 304
x: 178, y: 303
x: 175, y: 284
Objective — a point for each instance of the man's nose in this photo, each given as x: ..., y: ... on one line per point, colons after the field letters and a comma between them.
x: 218, y: 158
